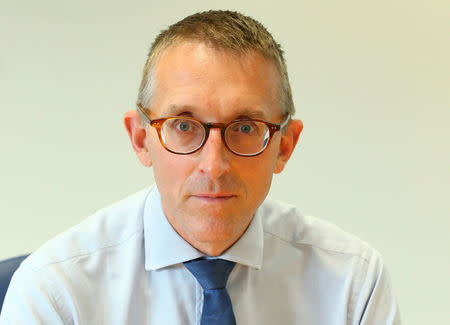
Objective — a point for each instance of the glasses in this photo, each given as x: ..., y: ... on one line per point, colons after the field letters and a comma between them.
x: 185, y: 135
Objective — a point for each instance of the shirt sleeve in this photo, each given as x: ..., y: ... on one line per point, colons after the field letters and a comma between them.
x: 376, y: 303
x: 29, y: 301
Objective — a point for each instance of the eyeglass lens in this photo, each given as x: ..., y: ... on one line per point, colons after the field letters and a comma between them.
x: 242, y: 137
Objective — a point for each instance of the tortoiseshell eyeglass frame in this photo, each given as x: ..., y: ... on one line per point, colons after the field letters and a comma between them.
x: 157, y: 124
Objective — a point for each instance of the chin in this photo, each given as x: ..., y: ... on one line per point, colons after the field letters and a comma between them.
x: 213, y: 235
x: 215, y: 231
x: 209, y: 229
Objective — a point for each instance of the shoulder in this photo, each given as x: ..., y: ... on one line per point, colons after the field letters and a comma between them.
x: 109, y: 227
x: 285, y: 223
x: 105, y: 248
x: 335, y: 262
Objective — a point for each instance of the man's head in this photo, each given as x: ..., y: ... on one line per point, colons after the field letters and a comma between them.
x: 224, y: 30
x: 210, y: 196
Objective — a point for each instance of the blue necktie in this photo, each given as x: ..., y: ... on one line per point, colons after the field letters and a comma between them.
x: 213, y: 276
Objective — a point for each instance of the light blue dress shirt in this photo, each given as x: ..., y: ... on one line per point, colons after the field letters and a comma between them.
x: 124, y: 265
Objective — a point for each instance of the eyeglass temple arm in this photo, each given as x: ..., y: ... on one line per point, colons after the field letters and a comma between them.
x: 143, y: 112
x: 285, y: 122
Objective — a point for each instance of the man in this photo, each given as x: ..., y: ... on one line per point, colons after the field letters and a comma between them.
x: 215, y: 122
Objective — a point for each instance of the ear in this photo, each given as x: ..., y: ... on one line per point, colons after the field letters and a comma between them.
x: 137, y: 133
x: 287, y: 144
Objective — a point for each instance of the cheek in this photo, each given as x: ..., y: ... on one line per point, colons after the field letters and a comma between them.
x: 257, y: 176
x: 170, y: 171
x: 169, y: 174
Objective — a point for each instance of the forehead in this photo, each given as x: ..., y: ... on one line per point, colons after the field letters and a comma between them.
x: 200, y: 79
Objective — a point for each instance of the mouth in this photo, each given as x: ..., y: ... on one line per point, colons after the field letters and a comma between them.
x: 214, y: 197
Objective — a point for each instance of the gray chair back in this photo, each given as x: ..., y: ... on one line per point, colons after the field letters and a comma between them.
x: 7, y: 269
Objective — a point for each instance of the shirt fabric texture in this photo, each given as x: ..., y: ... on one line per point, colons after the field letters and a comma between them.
x: 124, y: 265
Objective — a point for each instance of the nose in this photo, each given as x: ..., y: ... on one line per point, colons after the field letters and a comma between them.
x: 214, y: 156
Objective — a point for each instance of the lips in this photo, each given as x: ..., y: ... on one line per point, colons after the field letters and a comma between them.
x: 213, y: 197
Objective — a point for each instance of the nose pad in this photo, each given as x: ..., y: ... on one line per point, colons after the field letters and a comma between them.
x: 214, y: 156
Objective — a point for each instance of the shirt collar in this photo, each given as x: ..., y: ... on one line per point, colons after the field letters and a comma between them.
x: 165, y: 247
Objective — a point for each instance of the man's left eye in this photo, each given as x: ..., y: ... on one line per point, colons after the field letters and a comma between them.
x: 245, y: 128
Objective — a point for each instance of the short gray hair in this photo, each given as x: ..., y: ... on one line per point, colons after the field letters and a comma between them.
x: 226, y: 30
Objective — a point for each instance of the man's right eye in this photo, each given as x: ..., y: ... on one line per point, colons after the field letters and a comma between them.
x: 183, y: 126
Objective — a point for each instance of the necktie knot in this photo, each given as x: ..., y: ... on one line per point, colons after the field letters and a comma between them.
x: 211, y: 274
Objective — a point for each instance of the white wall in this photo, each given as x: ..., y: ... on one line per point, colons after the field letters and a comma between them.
x: 370, y: 81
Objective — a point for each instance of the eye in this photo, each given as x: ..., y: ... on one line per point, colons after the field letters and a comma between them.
x: 183, y: 126
x: 245, y: 128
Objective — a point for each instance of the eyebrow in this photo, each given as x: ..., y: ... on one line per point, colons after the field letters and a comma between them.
x: 189, y: 110
x: 174, y: 110
x: 251, y: 113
